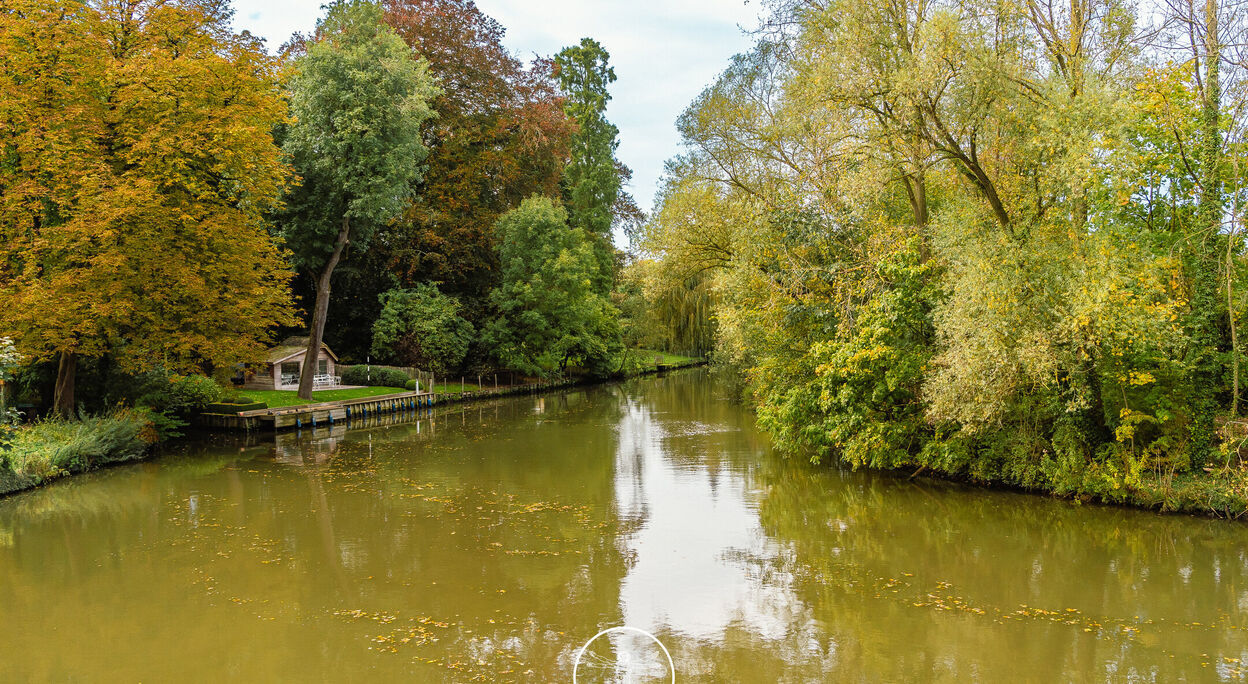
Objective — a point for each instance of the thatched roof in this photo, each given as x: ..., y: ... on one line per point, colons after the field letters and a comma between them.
x: 294, y: 346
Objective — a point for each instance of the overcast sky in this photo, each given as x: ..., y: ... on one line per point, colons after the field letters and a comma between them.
x: 664, y: 53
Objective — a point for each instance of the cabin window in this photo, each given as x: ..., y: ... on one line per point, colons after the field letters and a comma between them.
x: 290, y: 368
x: 322, y: 367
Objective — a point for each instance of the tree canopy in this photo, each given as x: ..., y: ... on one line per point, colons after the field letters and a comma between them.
x: 136, y: 169
x: 997, y: 241
x: 549, y: 313
x: 422, y: 327
x: 358, y: 97
x: 498, y: 136
x: 592, y: 177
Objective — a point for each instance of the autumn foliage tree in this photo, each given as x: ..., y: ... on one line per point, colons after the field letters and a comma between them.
x: 499, y: 136
x: 136, y: 168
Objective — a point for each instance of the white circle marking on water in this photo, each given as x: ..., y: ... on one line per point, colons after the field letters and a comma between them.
x: 671, y: 665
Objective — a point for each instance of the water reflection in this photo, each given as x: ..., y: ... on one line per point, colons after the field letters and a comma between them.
x: 487, y: 542
x: 692, y: 532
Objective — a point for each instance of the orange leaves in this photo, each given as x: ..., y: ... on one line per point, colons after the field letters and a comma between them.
x: 135, y: 222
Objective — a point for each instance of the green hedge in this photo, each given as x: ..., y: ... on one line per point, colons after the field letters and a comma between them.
x: 232, y: 408
x: 376, y: 376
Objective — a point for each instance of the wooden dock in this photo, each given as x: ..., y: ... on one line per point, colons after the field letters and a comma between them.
x: 319, y: 415
x: 334, y: 413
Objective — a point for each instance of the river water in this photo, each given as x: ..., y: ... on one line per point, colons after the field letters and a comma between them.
x: 489, y: 542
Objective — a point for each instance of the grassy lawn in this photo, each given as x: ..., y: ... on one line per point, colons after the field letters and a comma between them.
x: 668, y: 359
x: 281, y: 398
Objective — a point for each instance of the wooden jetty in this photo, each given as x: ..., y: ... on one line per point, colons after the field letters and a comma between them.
x: 318, y: 415
x: 331, y: 413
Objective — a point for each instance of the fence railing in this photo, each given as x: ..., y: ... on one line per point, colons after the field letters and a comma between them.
x: 484, y: 380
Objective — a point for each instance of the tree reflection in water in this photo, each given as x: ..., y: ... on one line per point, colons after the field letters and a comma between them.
x: 490, y: 541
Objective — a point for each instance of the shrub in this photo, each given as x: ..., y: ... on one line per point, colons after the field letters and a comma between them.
x: 234, y: 407
x: 173, y: 398
x: 8, y: 415
x: 178, y: 394
x: 411, y: 385
x: 55, y: 447
x: 421, y: 327
x: 374, y: 376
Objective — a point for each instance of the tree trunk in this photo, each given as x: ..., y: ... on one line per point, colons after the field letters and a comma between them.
x: 1205, y: 314
x: 1230, y: 315
x: 320, y: 311
x: 1230, y: 295
x: 63, y: 398
x: 916, y: 190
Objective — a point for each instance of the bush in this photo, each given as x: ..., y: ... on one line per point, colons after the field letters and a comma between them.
x: 179, y: 394
x: 411, y: 385
x: 234, y: 407
x: 55, y: 447
x: 374, y: 376
x: 421, y: 327
x: 233, y: 397
x: 8, y: 415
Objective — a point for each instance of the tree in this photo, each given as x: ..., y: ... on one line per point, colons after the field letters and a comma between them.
x: 591, y: 181
x: 549, y: 313
x: 977, y: 237
x: 9, y: 360
x: 1198, y: 23
x: 499, y: 136
x: 136, y: 168
x: 358, y: 98
x: 422, y: 327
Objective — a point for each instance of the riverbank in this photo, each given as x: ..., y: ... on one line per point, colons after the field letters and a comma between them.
x: 48, y: 451
x: 330, y: 412
x: 1220, y: 494
x: 1214, y: 492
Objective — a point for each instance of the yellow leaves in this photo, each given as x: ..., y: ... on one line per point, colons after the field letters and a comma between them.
x: 1130, y: 422
x: 149, y: 238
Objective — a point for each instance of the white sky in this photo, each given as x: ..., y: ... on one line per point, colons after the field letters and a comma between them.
x: 664, y: 53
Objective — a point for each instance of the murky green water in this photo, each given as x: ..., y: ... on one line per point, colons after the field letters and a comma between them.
x: 492, y: 541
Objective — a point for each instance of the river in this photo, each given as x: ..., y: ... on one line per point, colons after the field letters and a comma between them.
x: 489, y: 542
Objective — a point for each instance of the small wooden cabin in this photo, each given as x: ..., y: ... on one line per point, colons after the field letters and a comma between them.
x: 284, y: 363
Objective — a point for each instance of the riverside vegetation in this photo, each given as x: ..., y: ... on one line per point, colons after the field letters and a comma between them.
x: 173, y: 197
x: 997, y: 241
x: 993, y: 241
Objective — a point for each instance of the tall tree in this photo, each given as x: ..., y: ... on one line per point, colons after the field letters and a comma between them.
x: 591, y: 181
x: 499, y: 136
x: 1207, y: 315
x: 358, y: 97
x: 1207, y: 34
x: 549, y: 312
x: 136, y: 167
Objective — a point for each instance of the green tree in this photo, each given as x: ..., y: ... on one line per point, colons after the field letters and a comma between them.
x: 591, y: 180
x: 1199, y: 24
x: 358, y: 97
x: 549, y: 312
x: 981, y: 238
x: 422, y: 327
